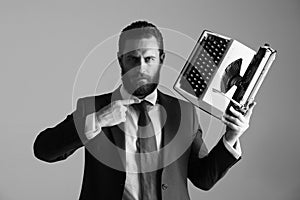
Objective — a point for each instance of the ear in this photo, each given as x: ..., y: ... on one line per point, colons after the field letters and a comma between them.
x: 162, y: 57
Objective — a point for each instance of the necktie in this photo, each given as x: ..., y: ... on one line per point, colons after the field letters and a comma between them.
x: 146, y: 143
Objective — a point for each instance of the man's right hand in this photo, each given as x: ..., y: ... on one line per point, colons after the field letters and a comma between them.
x: 114, y: 113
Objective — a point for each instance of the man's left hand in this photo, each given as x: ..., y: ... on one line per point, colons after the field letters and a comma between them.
x: 236, y: 123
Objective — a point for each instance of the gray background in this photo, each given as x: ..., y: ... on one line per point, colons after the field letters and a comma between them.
x: 43, y: 43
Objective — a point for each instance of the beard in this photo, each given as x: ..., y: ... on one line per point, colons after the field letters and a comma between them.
x: 138, y: 88
x: 144, y: 90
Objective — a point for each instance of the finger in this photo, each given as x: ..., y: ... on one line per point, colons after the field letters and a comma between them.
x: 233, y: 120
x: 123, y: 115
x: 230, y: 124
x: 129, y: 101
x: 250, y: 110
x: 123, y: 109
x: 237, y: 114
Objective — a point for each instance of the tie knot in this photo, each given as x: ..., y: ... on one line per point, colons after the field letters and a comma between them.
x: 142, y: 106
x: 144, y: 118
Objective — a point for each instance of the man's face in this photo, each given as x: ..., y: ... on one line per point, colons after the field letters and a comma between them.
x: 140, y: 62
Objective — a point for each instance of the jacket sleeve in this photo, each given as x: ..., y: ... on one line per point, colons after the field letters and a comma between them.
x: 205, y: 171
x: 59, y: 142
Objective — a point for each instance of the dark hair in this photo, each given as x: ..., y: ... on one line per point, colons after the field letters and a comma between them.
x: 140, y: 29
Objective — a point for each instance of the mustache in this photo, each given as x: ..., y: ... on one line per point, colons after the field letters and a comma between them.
x: 136, y: 76
x: 142, y: 76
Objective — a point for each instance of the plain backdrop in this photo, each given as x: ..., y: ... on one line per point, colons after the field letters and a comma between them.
x: 44, y: 43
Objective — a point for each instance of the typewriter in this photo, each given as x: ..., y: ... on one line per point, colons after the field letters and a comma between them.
x: 222, y: 72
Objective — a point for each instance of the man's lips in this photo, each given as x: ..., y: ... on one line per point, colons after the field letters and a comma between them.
x: 141, y: 80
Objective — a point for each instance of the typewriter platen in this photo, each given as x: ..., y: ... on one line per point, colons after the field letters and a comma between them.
x: 221, y: 72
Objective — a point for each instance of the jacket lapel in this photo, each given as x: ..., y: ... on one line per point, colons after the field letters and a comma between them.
x: 171, y: 116
x: 115, y: 133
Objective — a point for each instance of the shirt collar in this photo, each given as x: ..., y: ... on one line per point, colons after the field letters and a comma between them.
x: 151, y: 98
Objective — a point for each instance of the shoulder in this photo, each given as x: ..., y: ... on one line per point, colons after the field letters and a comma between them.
x: 89, y: 104
x: 95, y: 98
x: 175, y: 101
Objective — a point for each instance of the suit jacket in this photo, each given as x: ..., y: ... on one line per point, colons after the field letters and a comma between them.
x: 104, y: 174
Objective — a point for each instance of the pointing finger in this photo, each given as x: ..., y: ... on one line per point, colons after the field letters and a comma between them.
x: 129, y: 101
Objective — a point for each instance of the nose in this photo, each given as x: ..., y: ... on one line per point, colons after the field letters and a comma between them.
x: 142, y: 65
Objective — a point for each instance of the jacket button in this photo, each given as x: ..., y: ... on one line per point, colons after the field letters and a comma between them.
x: 164, y: 186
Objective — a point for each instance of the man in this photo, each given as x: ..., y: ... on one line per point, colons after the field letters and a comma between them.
x: 139, y: 142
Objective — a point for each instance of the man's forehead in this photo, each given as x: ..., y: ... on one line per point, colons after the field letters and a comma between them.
x: 141, y: 45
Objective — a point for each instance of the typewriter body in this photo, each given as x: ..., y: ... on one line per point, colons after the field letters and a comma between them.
x: 222, y: 72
